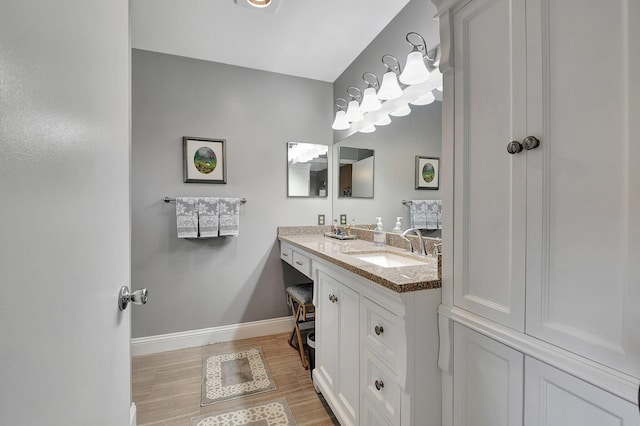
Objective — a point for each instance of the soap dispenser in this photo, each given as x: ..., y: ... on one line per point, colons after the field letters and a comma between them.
x: 378, y: 234
x: 398, y: 227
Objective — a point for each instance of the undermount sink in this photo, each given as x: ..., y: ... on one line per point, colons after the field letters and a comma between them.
x: 389, y: 260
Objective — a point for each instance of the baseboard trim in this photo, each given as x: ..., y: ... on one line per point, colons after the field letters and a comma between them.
x: 207, y: 336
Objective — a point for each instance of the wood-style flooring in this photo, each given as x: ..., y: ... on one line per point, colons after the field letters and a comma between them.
x: 166, y: 386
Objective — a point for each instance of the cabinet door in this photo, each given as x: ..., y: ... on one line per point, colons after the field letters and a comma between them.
x: 488, y: 381
x: 490, y: 184
x: 348, y: 391
x: 327, y: 329
x: 583, y: 210
x: 554, y: 398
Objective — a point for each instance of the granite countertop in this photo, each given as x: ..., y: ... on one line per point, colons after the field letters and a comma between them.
x: 341, y: 253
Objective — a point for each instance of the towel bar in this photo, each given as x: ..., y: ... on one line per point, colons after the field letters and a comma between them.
x: 169, y: 200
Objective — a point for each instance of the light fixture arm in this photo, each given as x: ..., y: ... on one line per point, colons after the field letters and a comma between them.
x: 420, y: 47
x: 342, y: 104
x: 395, y: 67
x: 357, y: 96
x: 371, y: 82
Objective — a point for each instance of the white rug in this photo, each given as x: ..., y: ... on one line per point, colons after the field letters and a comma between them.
x: 233, y: 375
x: 273, y: 413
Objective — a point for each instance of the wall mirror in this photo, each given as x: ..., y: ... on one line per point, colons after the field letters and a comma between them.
x: 355, y: 172
x: 307, y: 169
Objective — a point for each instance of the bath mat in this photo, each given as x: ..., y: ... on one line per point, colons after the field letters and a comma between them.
x: 273, y: 413
x: 233, y: 375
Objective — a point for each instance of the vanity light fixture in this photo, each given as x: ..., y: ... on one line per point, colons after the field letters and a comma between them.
x: 390, y: 89
x: 402, y: 111
x: 341, y: 122
x: 354, y: 113
x: 370, y: 101
x: 425, y: 99
x: 383, y: 121
x: 415, y: 71
x: 368, y: 129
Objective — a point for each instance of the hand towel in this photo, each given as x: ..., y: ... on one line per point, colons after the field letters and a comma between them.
x: 418, y: 214
x: 208, y: 216
x: 434, y: 214
x: 229, y: 216
x: 187, y: 217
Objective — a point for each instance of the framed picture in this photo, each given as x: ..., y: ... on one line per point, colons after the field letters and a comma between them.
x: 427, y: 172
x: 204, y: 160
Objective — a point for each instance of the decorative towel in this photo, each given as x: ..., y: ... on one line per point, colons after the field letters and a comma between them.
x: 187, y: 217
x: 208, y: 216
x: 418, y: 214
x: 229, y: 216
x: 434, y: 214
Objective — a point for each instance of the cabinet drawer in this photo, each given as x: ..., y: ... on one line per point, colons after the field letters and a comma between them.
x: 384, y: 334
x: 302, y: 263
x: 380, y: 387
x: 286, y: 254
x: 371, y: 416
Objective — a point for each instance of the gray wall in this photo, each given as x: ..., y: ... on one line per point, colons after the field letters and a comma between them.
x: 396, y: 144
x: 197, y: 284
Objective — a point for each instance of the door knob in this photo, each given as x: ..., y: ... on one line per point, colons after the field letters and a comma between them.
x: 138, y: 297
x: 514, y: 147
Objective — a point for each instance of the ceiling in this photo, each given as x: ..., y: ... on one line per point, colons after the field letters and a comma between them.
x: 315, y: 39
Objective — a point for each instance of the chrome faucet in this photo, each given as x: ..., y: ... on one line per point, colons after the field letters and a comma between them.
x: 420, y: 241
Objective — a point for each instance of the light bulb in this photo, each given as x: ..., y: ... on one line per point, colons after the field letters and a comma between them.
x: 383, y: 121
x: 389, y: 89
x: 341, y: 122
x: 368, y: 129
x: 401, y: 111
x: 370, y: 101
x: 415, y: 71
x: 354, y: 113
x: 425, y: 99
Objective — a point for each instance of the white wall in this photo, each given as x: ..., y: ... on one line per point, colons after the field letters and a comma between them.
x: 196, y: 284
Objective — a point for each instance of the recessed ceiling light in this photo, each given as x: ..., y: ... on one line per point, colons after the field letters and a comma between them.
x: 267, y: 6
x: 259, y: 3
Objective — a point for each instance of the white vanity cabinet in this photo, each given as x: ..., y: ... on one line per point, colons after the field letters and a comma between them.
x: 376, y: 350
x: 296, y: 258
x: 545, y: 237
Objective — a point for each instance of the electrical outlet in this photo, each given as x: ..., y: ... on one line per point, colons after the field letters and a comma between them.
x: 320, y: 219
x: 343, y: 219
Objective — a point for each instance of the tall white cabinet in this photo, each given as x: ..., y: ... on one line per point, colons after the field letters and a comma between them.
x: 541, y: 131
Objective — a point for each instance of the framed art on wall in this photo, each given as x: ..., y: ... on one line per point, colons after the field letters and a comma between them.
x: 204, y: 160
x: 427, y: 172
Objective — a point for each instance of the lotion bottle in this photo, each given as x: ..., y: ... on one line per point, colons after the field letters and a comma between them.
x: 398, y: 227
x: 378, y: 233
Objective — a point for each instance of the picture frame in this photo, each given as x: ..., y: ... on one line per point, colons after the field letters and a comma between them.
x: 427, y: 172
x: 204, y: 160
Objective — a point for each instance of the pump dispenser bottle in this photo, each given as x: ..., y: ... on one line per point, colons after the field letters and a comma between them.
x: 378, y: 234
x: 398, y: 227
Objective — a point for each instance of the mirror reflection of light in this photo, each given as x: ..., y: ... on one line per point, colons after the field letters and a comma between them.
x: 304, y: 152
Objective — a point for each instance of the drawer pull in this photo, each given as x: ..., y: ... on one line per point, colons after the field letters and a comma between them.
x: 299, y: 263
x: 285, y: 255
x: 333, y: 298
x: 379, y: 330
x: 379, y: 384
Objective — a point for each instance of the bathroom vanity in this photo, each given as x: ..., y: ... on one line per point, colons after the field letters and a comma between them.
x: 376, y: 329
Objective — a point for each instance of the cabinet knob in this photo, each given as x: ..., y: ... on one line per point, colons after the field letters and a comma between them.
x: 514, y: 147
x: 379, y: 330
x: 528, y: 143
x: 379, y: 384
x: 333, y: 298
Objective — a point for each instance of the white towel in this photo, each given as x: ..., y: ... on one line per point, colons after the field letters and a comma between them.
x: 434, y: 214
x: 187, y: 217
x: 208, y: 216
x: 229, y: 216
x: 418, y: 214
